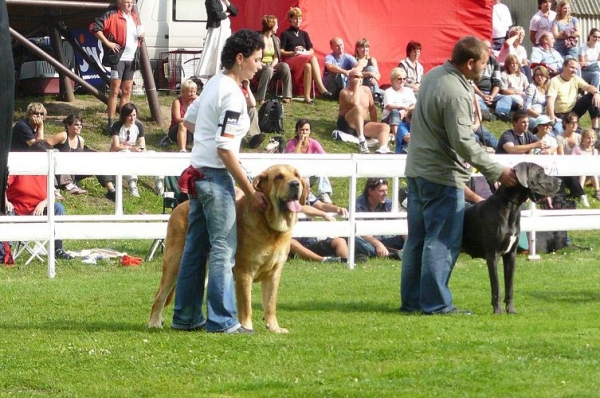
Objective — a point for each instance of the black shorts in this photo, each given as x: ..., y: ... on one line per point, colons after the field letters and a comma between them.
x: 320, y: 246
x: 124, y: 70
x: 173, y: 135
x: 343, y: 125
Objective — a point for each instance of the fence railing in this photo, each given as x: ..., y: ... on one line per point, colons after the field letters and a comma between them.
x: 351, y: 166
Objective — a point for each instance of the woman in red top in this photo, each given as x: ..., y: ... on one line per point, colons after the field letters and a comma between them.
x: 178, y: 132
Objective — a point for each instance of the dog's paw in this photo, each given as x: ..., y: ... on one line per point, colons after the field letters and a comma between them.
x: 277, y: 329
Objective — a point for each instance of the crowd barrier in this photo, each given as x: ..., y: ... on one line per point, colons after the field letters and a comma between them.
x: 352, y: 166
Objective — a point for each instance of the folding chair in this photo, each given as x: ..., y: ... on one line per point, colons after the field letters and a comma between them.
x: 171, y: 198
x: 35, y: 248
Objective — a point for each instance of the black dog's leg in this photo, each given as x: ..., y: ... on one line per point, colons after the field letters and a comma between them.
x: 492, y: 263
x: 509, y: 260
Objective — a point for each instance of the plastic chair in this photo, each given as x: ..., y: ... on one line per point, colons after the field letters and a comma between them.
x: 172, y: 197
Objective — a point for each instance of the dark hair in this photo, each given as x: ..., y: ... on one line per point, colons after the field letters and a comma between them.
x: 569, y: 59
x: 373, y: 183
x: 466, y: 48
x: 412, y: 45
x: 592, y: 32
x: 519, y: 114
x: 40, y: 146
x: 268, y: 21
x: 567, y: 118
x: 540, y: 2
x: 72, y: 118
x: 127, y: 110
x: 243, y: 42
x: 300, y: 123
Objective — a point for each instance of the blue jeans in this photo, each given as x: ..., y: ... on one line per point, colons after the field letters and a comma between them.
x: 502, y: 104
x: 435, y: 224
x: 362, y: 246
x: 489, y: 139
x: 211, y: 230
x: 592, y: 77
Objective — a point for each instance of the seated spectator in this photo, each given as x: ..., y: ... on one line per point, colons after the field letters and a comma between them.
x: 303, y: 143
x: 543, y: 130
x: 370, y: 68
x: 536, y: 92
x: 71, y: 140
x: 327, y: 250
x: 177, y: 131
x: 513, y: 86
x: 568, y: 144
x: 271, y: 64
x: 480, y: 133
x: 565, y: 29
x: 513, y: 45
x: 338, y: 66
x: 27, y: 131
x: 403, y: 134
x: 518, y: 140
x: 398, y: 100
x: 487, y: 89
x: 255, y: 137
x: 297, y: 51
x: 563, y: 96
x: 374, y: 199
x: 411, y: 65
x: 356, y: 103
x: 546, y: 55
x: 589, y: 58
x: 27, y: 195
x: 125, y: 134
x: 541, y: 22
x: 586, y: 148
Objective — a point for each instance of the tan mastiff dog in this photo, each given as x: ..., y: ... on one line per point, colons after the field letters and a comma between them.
x: 263, y: 245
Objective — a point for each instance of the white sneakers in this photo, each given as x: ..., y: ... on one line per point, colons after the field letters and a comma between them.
x: 584, y: 201
x: 384, y: 150
x: 159, y: 187
x: 133, y: 189
x: 362, y: 145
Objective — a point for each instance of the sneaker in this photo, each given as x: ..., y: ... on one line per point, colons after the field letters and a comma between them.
x: 359, y: 258
x: 332, y: 260
x: 74, y: 189
x: 159, y: 187
x: 182, y: 151
x: 362, y: 145
x: 62, y: 255
x: 395, y: 255
x: 457, y: 311
x: 335, y: 134
x: 272, y: 145
x: 487, y: 116
x: 325, y: 198
x: 57, y: 195
x: 165, y: 141
x: 111, y: 195
x: 584, y: 201
x: 383, y: 150
x: 240, y: 330
x: 503, y: 116
x: 256, y: 140
x: 133, y: 190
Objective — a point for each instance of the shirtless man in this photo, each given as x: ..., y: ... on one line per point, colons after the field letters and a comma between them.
x: 356, y: 103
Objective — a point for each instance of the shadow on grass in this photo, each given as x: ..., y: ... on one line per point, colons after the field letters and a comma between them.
x: 82, y: 326
x: 556, y: 296
x: 337, y: 306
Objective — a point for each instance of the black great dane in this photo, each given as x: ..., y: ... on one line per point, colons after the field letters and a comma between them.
x: 491, y: 228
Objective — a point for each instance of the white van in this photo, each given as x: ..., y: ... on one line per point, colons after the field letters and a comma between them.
x: 175, y: 31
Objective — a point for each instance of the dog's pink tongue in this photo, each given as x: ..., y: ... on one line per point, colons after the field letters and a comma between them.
x: 294, y: 206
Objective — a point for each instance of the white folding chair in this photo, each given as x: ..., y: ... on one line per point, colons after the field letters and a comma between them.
x: 35, y: 248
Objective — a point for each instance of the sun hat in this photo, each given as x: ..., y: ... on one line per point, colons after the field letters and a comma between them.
x: 542, y: 119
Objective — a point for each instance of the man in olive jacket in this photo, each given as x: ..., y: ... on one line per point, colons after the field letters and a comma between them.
x: 442, y: 150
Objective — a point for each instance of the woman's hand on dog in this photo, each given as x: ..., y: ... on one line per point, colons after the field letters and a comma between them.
x: 260, y: 201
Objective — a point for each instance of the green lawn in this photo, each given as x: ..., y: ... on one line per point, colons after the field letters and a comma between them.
x: 84, y: 333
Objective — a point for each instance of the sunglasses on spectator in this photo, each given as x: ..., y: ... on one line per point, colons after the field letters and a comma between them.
x: 128, y: 135
x: 377, y: 182
x: 400, y: 79
x: 77, y: 125
x: 538, y: 75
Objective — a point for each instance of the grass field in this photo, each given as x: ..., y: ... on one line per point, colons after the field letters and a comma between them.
x: 84, y: 333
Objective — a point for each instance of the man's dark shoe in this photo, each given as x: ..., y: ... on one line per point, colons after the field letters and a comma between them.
x: 63, y: 255
x: 395, y: 255
x: 487, y: 116
x: 504, y: 117
x: 256, y: 141
x: 111, y: 195
x: 328, y: 95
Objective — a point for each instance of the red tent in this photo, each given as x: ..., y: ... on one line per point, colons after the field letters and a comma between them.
x: 388, y: 25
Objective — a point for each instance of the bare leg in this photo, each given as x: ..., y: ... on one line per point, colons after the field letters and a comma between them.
x: 113, y: 97
x: 356, y: 120
x: 307, y: 79
x: 314, y: 63
x: 181, y: 136
x: 304, y: 253
x: 126, y: 87
x: 380, y: 131
x: 340, y: 247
